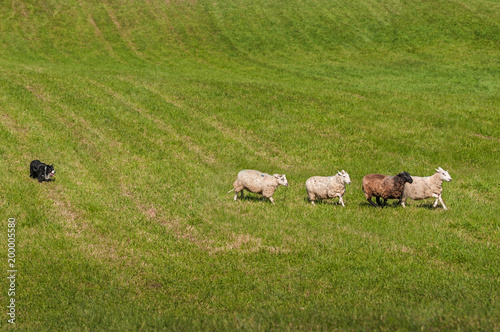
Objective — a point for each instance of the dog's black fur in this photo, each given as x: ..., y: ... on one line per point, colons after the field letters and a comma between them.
x: 41, y: 171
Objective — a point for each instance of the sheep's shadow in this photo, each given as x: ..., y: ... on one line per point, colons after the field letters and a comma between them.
x: 390, y: 204
x: 249, y: 198
x: 322, y: 202
x: 427, y: 205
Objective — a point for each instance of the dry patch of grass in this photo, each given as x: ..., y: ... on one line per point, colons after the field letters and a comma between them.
x: 487, y: 137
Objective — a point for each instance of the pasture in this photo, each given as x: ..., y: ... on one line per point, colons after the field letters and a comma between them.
x: 148, y: 111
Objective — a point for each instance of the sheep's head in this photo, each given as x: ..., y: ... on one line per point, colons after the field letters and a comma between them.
x: 281, y: 179
x: 406, y: 177
x: 345, y: 177
x: 444, y: 176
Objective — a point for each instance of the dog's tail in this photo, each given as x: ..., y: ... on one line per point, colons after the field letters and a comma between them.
x: 230, y: 190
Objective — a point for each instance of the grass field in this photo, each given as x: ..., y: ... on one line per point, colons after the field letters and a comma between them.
x: 148, y: 110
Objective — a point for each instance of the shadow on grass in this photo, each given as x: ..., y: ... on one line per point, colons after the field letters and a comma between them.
x: 322, y: 202
x: 248, y: 198
x: 393, y: 204
x: 428, y: 206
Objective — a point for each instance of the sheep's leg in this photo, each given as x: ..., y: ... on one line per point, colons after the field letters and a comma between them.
x: 378, y: 201
x: 402, y: 201
x: 442, y: 203
x: 437, y: 199
x: 271, y: 199
x: 385, y: 202
x: 341, y: 201
x: 237, y: 192
x: 371, y: 202
x: 311, y: 197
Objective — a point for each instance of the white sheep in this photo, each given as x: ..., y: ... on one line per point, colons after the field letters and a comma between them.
x: 325, y: 187
x: 426, y: 187
x: 258, y: 183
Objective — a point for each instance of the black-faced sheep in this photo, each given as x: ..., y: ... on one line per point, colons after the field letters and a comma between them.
x: 426, y: 187
x: 325, y: 187
x: 258, y: 183
x: 384, y: 186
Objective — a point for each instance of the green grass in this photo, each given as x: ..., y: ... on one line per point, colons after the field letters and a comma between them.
x: 148, y: 111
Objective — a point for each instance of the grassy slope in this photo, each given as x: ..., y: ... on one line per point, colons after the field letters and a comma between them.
x: 149, y: 110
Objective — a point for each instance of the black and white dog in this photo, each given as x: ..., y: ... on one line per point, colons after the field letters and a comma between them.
x: 41, y: 171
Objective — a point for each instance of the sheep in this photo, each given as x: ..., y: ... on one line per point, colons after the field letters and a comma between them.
x: 387, y: 187
x: 426, y: 187
x: 258, y: 183
x: 325, y: 187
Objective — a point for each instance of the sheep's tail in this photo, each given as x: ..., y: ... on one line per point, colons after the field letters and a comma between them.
x: 230, y: 190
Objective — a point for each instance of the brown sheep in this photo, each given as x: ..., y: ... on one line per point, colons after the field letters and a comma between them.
x: 384, y: 186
